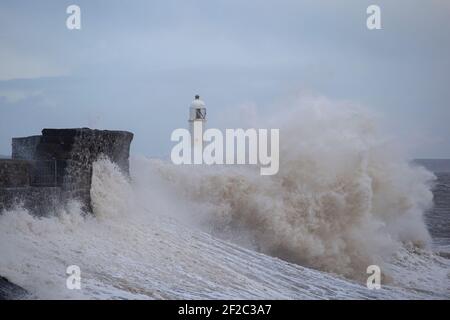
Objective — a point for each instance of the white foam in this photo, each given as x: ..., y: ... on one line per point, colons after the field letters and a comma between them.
x: 341, y: 201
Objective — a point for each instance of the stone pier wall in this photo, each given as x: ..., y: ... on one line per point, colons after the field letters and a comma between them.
x: 14, y: 173
x: 50, y: 169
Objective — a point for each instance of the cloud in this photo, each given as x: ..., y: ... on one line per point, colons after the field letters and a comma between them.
x: 130, y: 63
x: 15, y: 95
x: 20, y: 65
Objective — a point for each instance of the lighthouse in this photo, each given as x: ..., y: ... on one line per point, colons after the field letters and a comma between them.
x: 197, y: 122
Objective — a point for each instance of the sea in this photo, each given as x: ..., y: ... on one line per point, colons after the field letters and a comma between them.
x: 344, y: 200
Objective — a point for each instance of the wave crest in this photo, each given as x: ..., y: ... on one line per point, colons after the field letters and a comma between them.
x: 343, y: 198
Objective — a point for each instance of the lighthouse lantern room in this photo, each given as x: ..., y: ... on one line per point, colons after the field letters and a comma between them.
x: 197, y: 110
x: 197, y: 121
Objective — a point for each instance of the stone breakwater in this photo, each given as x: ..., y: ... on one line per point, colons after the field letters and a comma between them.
x: 47, y: 170
x: 10, y: 291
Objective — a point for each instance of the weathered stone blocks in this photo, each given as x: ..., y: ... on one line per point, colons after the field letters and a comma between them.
x: 56, y: 166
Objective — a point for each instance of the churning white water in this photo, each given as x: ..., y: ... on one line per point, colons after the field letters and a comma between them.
x: 342, y: 200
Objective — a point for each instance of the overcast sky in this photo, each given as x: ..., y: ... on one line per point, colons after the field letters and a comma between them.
x: 136, y: 65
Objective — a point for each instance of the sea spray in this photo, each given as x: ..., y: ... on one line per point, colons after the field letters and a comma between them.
x: 343, y: 199
x: 145, y: 251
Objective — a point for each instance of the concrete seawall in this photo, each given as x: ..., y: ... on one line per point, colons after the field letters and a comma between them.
x: 9, y: 290
x: 47, y: 170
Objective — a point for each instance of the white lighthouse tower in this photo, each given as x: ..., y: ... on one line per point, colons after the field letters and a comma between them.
x: 197, y: 122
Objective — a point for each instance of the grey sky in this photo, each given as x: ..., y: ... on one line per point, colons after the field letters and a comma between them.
x: 136, y: 65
